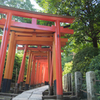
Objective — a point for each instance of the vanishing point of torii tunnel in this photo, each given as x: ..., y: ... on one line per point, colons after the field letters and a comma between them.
x: 44, y: 65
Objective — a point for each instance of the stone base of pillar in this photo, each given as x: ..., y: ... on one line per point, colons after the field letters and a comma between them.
x: 21, y: 86
x: 6, y: 85
x: 31, y: 86
x: 50, y: 90
x: 54, y: 87
x: 59, y: 97
x: 46, y: 83
x: 16, y: 88
x: 26, y: 86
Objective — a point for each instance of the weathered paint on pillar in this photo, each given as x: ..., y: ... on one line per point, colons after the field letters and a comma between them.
x: 4, y: 44
x: 90, y: 77
x: 58, y: 61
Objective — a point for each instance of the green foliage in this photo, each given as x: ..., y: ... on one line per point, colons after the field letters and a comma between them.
x: 21, y: 4
x: 67, y: 68
x: 95, y: 63
x: 0, y: 42
x: 95, y: 66
x: 87, y: 19
x: 83, y: 58
x: 17, y: 64
x: 65, y: 59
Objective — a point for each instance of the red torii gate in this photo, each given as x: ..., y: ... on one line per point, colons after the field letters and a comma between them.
x: 34, y: 16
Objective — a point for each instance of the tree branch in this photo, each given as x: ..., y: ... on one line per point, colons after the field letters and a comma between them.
x: 87, y: 40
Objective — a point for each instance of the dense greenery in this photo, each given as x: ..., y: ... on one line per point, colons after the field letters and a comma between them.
x: 87, y: 59
x: 83, y: 58
x: 17, y: 65
x: 87, y: 18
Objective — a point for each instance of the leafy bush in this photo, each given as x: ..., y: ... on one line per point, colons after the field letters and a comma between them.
x: 95, y: 66
x: 17, y: 64
x: 83, y: 58
x: 67, y: 68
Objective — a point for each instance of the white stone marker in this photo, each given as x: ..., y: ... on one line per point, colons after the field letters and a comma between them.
x: 78, y: 83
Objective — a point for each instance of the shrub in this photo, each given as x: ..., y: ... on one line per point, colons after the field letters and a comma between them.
x: 83, y: 58
x: 67, y: 68
x: 95, y: 66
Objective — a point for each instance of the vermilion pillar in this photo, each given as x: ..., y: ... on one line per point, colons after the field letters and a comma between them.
x: 54, y: 66
x: 28, y: 71
x: 51, y: 74
x: 40, y: 74
x: 49, y: 57
x: 4, y: 44
x: 11, y: 65
x: 58, y: 62
x: 9, y: 68
x: 44, y: 71
x: 46, y: 74
x: 22, y: 68
x: 33, y: 72
x: 37, y: 72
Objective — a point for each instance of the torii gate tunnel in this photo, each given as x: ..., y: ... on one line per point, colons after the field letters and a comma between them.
x: 44, y: 64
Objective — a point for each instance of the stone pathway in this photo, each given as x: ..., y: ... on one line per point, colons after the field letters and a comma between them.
x: 33, y: 94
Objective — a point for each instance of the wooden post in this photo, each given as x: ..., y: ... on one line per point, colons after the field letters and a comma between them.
x: 4, y: 43
x: 90, y: 77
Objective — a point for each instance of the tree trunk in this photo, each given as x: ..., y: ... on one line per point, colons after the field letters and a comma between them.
x: 95, y: 42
